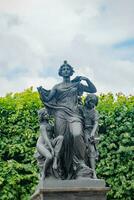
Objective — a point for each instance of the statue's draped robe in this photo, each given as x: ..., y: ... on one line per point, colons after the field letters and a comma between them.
x: 68, y: 122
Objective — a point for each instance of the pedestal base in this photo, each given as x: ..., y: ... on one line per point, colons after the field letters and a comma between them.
x: 80, y: 189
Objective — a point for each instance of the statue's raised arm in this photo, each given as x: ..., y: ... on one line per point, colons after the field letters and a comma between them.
x: 89, y: 88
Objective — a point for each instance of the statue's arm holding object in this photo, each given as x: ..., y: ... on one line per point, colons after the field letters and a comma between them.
x: 46, y: 95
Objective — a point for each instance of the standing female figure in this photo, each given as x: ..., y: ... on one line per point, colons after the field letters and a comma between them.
x: 63, y: 100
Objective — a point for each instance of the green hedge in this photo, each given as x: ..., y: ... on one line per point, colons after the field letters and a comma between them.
x: 19, y: 131
x: 116, y: 148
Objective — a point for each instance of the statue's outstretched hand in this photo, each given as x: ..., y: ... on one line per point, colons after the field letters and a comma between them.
x: 80, y: 78
x: 76, y: 79
x: 83, y: 78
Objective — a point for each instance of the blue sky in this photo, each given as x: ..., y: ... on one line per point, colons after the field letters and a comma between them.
x: 125, y: 44
x: 96, y: 37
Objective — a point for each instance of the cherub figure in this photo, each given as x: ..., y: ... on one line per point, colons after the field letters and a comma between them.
x: 91, y: 117
x: 48, y: 146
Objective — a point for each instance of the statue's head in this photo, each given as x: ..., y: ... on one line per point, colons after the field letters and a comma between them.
x: 91, y: 101
x: 43, y: 114
x: 66, y: 70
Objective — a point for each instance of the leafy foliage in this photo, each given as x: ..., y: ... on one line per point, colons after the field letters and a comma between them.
x: 116, y: 147
x: 19, y: 131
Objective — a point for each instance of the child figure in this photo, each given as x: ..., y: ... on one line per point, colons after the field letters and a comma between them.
x: 48, y: 147
x: 90, y: 116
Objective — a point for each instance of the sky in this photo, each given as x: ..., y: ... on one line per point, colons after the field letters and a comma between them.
x: 96, y: 37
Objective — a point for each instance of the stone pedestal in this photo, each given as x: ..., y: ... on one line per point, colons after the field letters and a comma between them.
x: 80, y: 189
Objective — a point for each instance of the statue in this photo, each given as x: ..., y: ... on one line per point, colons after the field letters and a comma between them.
x: 90, y: 116
x: 70, y: 126
x: 48, y: 146
x: 66, y: 148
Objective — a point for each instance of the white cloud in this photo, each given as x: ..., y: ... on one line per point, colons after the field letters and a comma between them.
x: 18, y: 85
x: 37, y: 35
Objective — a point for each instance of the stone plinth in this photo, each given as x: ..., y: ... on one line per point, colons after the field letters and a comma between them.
x: 80, y: 189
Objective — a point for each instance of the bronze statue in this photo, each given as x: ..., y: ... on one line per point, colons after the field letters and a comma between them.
x: 62, y: 103
x: 90, y: 116
x: 48, y: 146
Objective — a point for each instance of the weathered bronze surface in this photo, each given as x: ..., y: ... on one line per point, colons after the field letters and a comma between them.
x: 66, y: 148
x: 80, y: 189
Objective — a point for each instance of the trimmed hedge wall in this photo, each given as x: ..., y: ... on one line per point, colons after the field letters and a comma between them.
x: 19, y: 131
x: 116, y: 148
